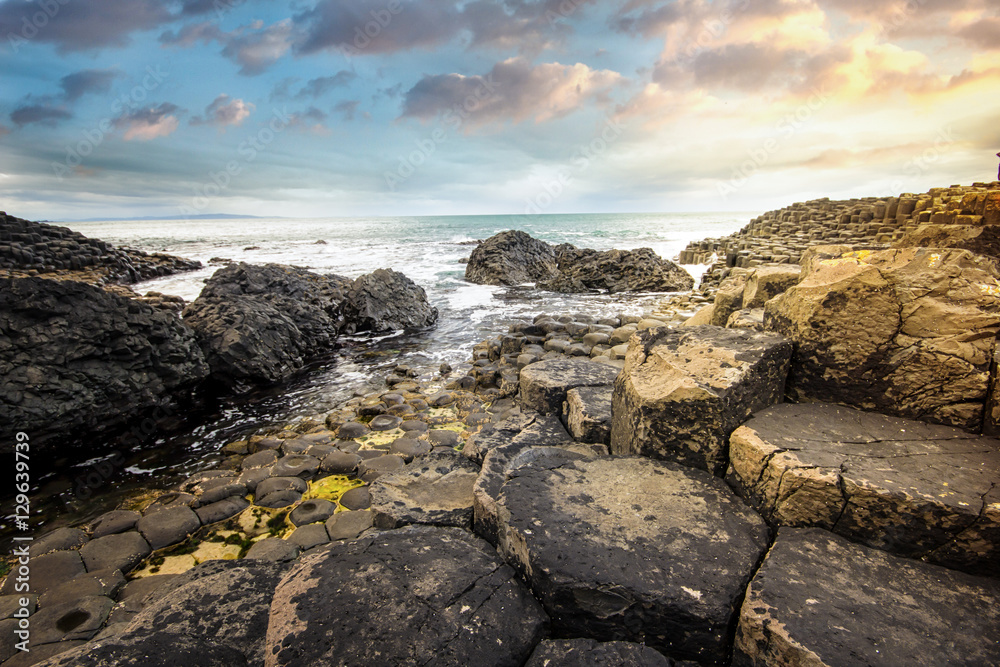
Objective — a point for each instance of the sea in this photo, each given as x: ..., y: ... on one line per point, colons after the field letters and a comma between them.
x: 76, y: 487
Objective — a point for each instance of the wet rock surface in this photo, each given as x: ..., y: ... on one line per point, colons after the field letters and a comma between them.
x: 682, y: 392
x: 821, y: 600
x: 77, y: 359
x: 632, y: 549
x: 915, y: 489
x: 386, y: 300
x: 612, y: 271
x: 462, y: 605
x: 511, y: 258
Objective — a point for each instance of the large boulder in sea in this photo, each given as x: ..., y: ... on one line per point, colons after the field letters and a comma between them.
x: 386, y: 300
x: 261, y: 323
x: 77, y: 359
x: 640, y: 270
x: 514, y: 258
x: 511, y: 258
x: 906, y: 332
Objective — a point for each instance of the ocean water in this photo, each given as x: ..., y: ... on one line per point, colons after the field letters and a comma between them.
x: 427, y: 249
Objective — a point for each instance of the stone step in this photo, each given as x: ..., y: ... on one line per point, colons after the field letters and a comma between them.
x: 820, y: 600
x: 631, y: 549
x: 544, y: 384
x: 683, y: 391
x: 910, y: 488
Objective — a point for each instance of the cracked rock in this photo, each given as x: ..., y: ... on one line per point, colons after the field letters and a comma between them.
x: 683, y: 391
x: 435, y: 490
x: 914, y: 489
x: 632, y: 549
x: 906, y: 332
x: 461, y: 604
x: 820, y: 600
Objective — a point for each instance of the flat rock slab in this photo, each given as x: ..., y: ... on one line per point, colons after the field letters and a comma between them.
x: 632, y: 549
x: 434, y: 490
x: 222, y: 603
x: 168, y: 526
x: 159, y: 650
x: 497, y: 465
x: 579, y: 652
x: 910, y: 488
x: 428, y: 595
x: 121, y: 551
x: 683, y: 391
x: 587, y: 413
x: 544, y: 384
x: 821, y: 600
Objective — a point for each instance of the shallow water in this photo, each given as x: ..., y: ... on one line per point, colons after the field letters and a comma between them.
x: 426, y: 249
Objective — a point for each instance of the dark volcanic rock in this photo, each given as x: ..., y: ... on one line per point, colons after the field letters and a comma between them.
x: 683, y: 391
x: 76, y: 359
x: 579, y: 652
x: 159, y: 650
x: 820, y: 600
x: 511, y: 258
x: 386, y: 300
x: 261, y: 323
x: 544, y: 384
x: 640, y: 270
x: 910, y: 488
x: 633, y: 549
x: 461, y: 604
x: 26, y: 245
x: 434, y: 490
x: 587, y: 413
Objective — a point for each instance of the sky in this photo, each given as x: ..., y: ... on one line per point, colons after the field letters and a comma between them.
x: 327, y: 108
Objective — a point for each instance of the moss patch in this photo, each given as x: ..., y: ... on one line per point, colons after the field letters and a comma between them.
x: 332, y: 488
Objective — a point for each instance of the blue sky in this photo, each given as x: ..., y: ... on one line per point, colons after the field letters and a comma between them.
x: 320, y: 108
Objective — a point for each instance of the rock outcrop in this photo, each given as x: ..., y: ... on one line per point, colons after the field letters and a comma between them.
x: 27, y: 246
x: 907, y: 332
x: 514, y: 258
x: 511, y: 258
x: 641, y: 270
x: 76, y: 359
x: 262, y: 323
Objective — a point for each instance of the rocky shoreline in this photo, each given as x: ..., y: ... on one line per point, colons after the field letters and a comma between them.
x: 801, y: 473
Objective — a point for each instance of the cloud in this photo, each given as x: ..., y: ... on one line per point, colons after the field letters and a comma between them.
x: 256, y: 48
x: 223, y: 112
x: 253, y: 46
x: 4, y: 130
x: 78, y: 84
x: 317, y: 87
x: 82, y: 25
x: 311, y: 120
x: 149, y: 123
x: 513, y: 90
x: 359, y: 28
x: 347, y: 109
x: 39, y: 114
x: 983, y: 34
x: 283, y: 89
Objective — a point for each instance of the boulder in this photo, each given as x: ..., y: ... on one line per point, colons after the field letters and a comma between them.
x: 544, y: 384
x: 576, y: 652
x: 434, y: 490
x: 386, y: 300
x: 632, y: 549
x: 821, y: 600
x: 914, y: 489
x: 78, y: 361
x: 683, y: 391
x: 728, y: 298
x: 461, y: 605
x: 906, y: 332
x: 612, y: 271
x: 261, y: 323
x: 511, y: 258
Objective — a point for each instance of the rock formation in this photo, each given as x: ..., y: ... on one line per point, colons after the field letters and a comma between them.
x: 514, y: 258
